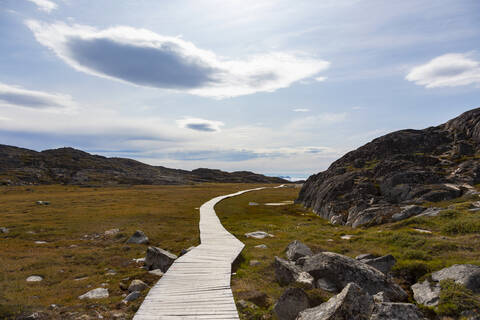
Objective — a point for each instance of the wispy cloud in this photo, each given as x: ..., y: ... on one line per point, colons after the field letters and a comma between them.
x: 449, y: 70
x: 145, y: 58
x: 15, y: 96
x: 44, y: 5
x: 301, y: 110
x: 200, y: 124
x: 320, y: 79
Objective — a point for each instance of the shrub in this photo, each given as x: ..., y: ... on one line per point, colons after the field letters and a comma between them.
x: 455, y: 298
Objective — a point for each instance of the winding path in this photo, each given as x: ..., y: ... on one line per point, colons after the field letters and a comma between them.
x: 197, y: 285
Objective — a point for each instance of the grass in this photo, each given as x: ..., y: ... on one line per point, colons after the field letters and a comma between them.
x: 417, y: 253
x: 73, y: 226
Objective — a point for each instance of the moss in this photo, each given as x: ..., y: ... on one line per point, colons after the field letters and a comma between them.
x: 461, y: 226
x: 455, y: 298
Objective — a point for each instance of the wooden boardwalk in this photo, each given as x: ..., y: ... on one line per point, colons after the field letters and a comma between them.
x: 197, y: 285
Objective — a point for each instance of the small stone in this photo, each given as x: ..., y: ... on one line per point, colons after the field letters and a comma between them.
x: 346, y: 237
x: 34, y: 279
x: 254, y: 262
x: 258, y: 235
x: 111, y: 272
x: 4, y: 230
x: 138, y: 238
x: 40, y: 242
x: 112, y: 232
x: 261, y: 246
x: 156, y: 272
x: 253, y: 204
x: 44, y: 203
x: 132, y: 296
x: 98, y: 293
x: 137, y: 285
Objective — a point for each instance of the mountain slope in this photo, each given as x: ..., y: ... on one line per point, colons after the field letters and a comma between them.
x: 378, y: 180
x: 71, y: 166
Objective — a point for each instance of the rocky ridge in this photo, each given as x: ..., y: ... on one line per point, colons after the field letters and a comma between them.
x: 19, y: 166
x: 389, y: 178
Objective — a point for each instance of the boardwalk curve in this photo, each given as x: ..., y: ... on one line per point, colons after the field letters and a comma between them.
x: 197, y: 285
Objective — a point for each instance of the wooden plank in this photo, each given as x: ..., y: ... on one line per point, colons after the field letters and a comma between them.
x: 197, y: 285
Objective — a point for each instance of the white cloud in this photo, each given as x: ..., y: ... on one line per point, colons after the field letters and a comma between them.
x: 301, y: 110
x: 320, y: 79
x: 145, y: 58
x: 15, y: 96
x: 200, y: 124
x: 44, y: 5
x: 449, y: 70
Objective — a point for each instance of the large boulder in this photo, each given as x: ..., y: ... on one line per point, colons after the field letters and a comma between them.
x: 297, y: 249
x: 290, y: 304
x: 286, y: 272
x: 426, y: 293
x: 159, y: 259
x: 395, y: 311
x: 138, y: 237
x: 341, y: 270
x: 352, y: 303
x: 383, y: 264
x: 464, y: 274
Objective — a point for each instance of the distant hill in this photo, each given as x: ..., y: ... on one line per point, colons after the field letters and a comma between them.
x: 19, y: 166
x: 376, y: 182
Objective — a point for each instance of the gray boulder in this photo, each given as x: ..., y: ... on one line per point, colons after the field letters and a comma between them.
x: 366, y: 256
x: 383, y: 264
x: 297, y: 249
x: 395, y: 311
x: 407, y: 212
x: 159, y: 259
x: 137, y: 285
x: 138, y: 237
x: 290, y: 304
x: 286, y: 272
x: 132, y: 296
x: 325, y: 284
x: 426, y: 293
x: 341, y: 270
x: 352, y: 303
x: 98, y: 293
x: 465, y: 274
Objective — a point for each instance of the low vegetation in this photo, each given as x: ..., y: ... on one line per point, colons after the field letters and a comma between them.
x: 420, y: 245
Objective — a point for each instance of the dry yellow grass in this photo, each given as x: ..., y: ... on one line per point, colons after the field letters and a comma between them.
x: 73, y: 226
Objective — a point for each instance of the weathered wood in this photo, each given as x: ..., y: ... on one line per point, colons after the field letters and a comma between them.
x: 197, y: 285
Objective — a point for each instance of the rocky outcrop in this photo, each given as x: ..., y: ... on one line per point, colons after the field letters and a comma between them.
x: 20, y: 166
x: 290, y: 304
x: 428, y: 292
x: 286, y: 272
x: 381, y: 181
x: 339, y: 270
x: 383, y: 264
x: 159, y: 259
x: 353, y: 303
x: 139, y: 237
x: 296, y: 250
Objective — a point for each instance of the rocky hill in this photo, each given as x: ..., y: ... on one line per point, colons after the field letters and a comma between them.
x: 391, y: 177
x: 20, y: 166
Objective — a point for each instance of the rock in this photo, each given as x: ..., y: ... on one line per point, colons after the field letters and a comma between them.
x: 44, y: 203
x: 137, y: 285
x: 407, y: 212
x: 325, y: 284
x: 184, y: 251
x: 253, y: 204
x: 156, y: 272
x: 383, y: 264
x: 341, y: 270
x: 346, y: 237
x: 139, y: 260
x: 159, y: 259
x: 243, y: 305
x: 132, y: 296
x: 258, y: 235
x: 366, y: 256
x: 111, y: 232
x: 111, y: 272
x: 4, y: 230
x: 286, y: 272
x: 34, y: 279
x: 34, y: 316
x: 138, y: 237
x: 254, y: 263
x: 464, y: 274
x: 98, y: 293
x: 290, y: 304
x: 297, y: 249
x: 380, y: 297
x: 426, y: 293
x: 352, y: 304
x: 396, y: 311
x: 430, y: 212
x: 261, y: 246
x: 40, y: 242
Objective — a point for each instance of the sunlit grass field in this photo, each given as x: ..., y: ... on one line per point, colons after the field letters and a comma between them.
x: 455, y: 238
x: 73, y: 225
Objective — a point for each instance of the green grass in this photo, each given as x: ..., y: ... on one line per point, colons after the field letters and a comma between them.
x: 418, y: 254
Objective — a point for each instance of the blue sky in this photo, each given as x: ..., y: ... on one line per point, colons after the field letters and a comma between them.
x: 274, y: 86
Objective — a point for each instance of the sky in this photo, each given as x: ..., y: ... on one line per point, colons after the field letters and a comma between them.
x: 271, y: 86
